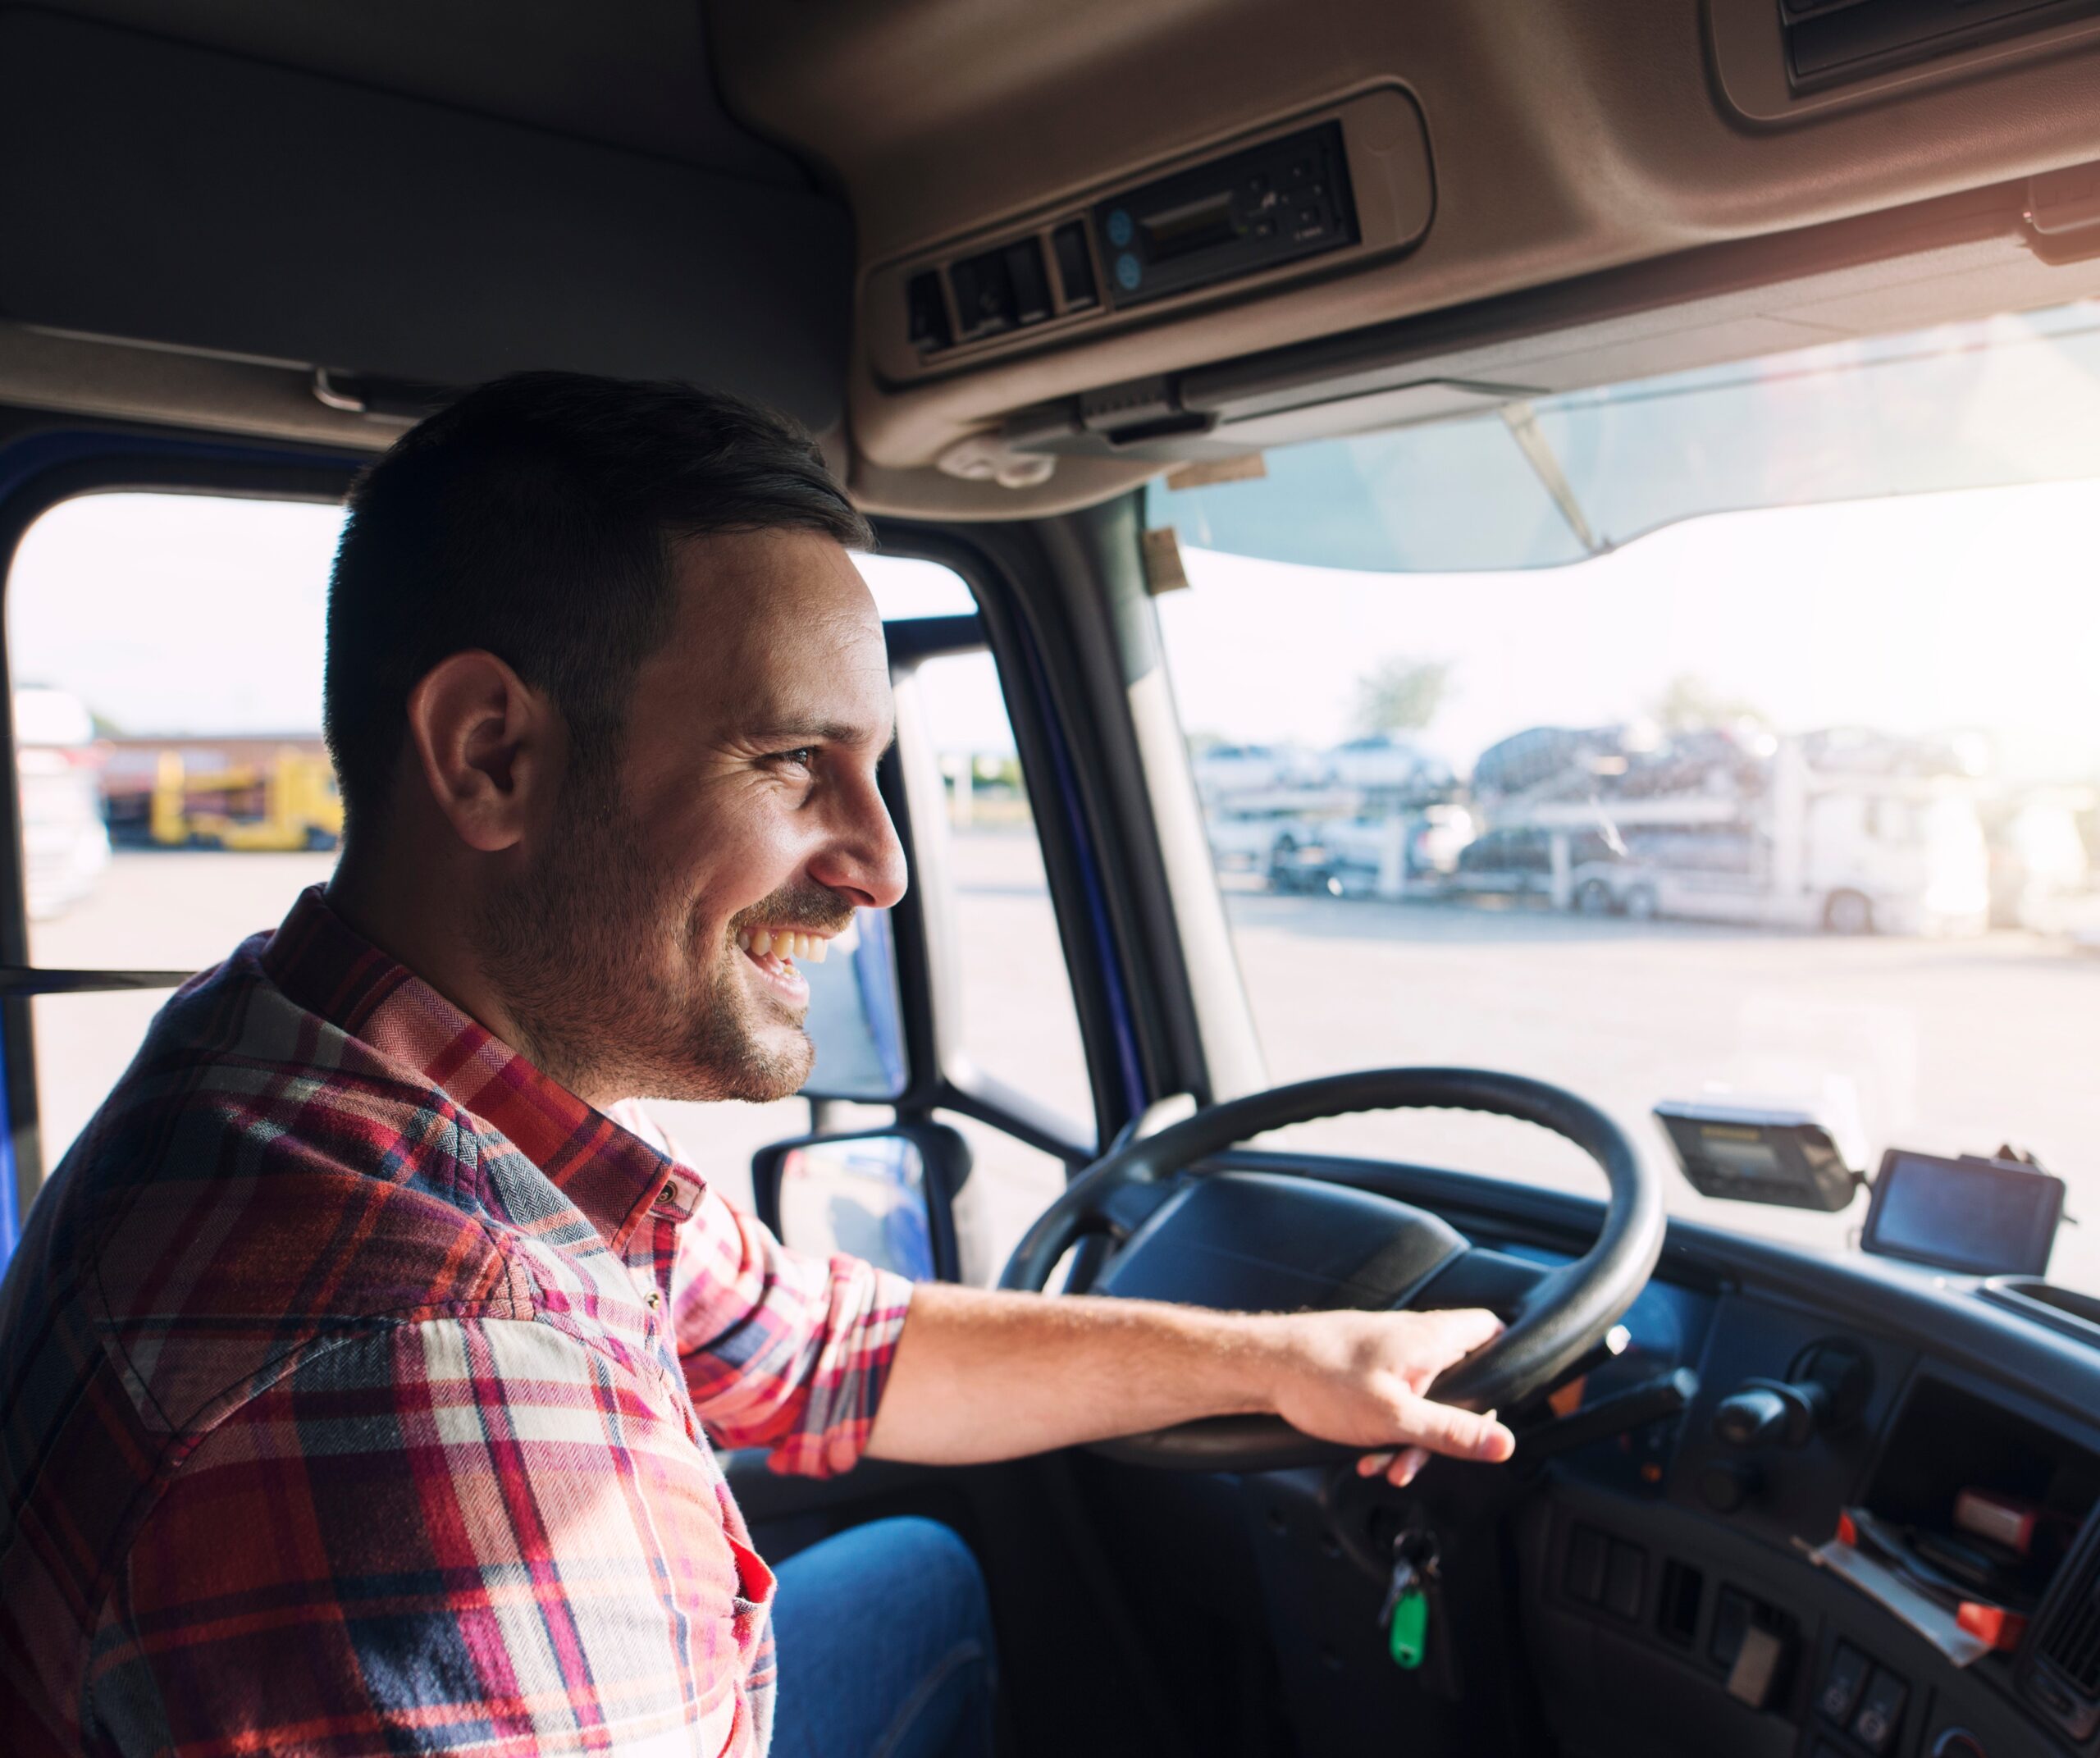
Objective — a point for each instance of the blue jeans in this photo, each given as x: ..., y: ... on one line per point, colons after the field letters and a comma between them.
x: 884, y: 1641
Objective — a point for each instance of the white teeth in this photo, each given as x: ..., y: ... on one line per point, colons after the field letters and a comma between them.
x: 783, y: 943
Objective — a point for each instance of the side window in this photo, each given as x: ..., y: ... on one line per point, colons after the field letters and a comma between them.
x: 1017, y: 1021
x: 164, y: 652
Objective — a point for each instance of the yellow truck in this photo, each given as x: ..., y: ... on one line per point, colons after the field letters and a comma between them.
x: 289, y: 802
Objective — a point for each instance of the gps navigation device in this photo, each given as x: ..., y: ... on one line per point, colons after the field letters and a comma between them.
x: 1982, y: 1217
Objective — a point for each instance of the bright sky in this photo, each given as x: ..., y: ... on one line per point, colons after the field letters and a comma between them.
x: 191, y: 614
x: 1929, y: 613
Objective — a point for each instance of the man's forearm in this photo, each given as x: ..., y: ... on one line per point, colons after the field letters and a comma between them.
x: 980, y: 1375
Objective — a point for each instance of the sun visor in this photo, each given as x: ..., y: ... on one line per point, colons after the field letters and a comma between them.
x: 154, y: 192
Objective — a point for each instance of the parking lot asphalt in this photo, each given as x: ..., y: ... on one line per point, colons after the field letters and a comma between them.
x: 1945, y: 1046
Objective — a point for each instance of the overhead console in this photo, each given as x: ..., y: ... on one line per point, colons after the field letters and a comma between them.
x: 1325, y: 190
x: 1781, y: 59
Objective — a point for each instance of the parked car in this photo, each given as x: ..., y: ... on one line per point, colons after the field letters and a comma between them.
x: 1513, y: 862
x: 1359, y: 851
x: 1384, y: 761
x: 1254, y: 838
x: 1248, y: 768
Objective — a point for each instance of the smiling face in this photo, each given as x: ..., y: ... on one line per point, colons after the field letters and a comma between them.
x: 649, y: 948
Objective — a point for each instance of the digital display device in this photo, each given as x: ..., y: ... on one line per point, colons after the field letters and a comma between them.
x: 1982, y: 1217
x: 1197, y: 226
x: 1752, y: 1155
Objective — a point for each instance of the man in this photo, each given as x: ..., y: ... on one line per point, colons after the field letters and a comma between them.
x: 361, y: 1362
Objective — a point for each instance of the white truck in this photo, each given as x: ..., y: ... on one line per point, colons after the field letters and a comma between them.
x: 1823, y: 839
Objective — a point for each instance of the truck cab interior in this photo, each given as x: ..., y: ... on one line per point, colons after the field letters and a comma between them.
x: 1655, y: 445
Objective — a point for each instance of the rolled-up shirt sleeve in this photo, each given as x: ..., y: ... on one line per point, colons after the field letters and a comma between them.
x: 783, y: 1349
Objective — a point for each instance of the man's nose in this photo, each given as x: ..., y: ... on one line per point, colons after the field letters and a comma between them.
x: 864, y: 863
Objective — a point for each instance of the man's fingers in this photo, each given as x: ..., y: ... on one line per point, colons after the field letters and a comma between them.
x: 1444, y: 1428
x: 1461, y: 1331
x: 1402, y: 1471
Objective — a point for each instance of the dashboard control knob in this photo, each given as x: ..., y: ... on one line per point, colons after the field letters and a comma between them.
x: 1958, y: 1742
x: 1755, y: 1417
x: 1724, y: 1484
x: 1771, y: 1413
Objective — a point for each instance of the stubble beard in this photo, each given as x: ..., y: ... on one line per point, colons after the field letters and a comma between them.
x: 600, y: 962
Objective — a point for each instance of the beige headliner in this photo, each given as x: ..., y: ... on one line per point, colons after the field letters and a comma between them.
x: 1583, y: 149
x: 1568, y: 136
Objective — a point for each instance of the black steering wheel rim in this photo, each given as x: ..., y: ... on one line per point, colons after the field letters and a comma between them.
x: 1567, y: 1315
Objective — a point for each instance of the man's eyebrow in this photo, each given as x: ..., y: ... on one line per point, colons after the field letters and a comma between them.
x: 796, y: 730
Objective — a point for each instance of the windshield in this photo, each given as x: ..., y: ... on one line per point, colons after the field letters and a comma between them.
x: 1790, y: 807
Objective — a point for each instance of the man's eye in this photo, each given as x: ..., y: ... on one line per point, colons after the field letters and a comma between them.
x: 802, y: 755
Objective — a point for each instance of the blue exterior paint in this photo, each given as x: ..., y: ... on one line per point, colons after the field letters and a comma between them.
x: 1116, y: 992
x: 10, y: 1216
x: 30, y: 458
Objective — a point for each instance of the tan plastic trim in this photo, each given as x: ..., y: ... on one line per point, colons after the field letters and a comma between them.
x: 1967, y: 257
x: 1571, y: 138
x: 929, y: 493
x: 77, y: 375
x: 1391, y: 180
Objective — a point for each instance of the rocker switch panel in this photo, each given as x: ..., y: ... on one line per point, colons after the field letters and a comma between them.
x: 1842, y: 1682
x: 1881, y: 1713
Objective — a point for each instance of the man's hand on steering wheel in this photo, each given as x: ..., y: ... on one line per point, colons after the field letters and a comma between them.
x: 1360, y: 1378
x: 1360, y: 1372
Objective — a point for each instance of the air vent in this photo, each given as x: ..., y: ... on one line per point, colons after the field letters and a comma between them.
x: 2060, y: 1673
x: 2073, y: 1647
x: 1834, y: 42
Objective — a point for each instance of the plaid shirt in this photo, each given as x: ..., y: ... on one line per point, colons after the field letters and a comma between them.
x: 352, y: 1383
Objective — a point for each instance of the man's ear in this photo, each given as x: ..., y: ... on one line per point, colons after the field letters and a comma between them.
x: 488, y: 746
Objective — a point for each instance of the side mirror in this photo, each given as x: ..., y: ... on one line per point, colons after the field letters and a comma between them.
x: 886, y: 1195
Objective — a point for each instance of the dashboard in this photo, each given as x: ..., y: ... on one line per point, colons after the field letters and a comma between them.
x: 1679, y: 1581
x: 1677, y: 1563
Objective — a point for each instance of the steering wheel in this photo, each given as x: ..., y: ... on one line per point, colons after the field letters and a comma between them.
x: 1559, y: 1318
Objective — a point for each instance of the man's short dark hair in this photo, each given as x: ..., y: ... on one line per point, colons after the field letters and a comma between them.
x: 536, y: 518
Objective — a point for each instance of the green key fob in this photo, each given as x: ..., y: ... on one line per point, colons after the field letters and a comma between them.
x: 1407, y: 1635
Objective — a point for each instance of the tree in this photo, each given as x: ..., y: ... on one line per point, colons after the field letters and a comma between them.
x: 1401, y: 695
x: 1688, y: 703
